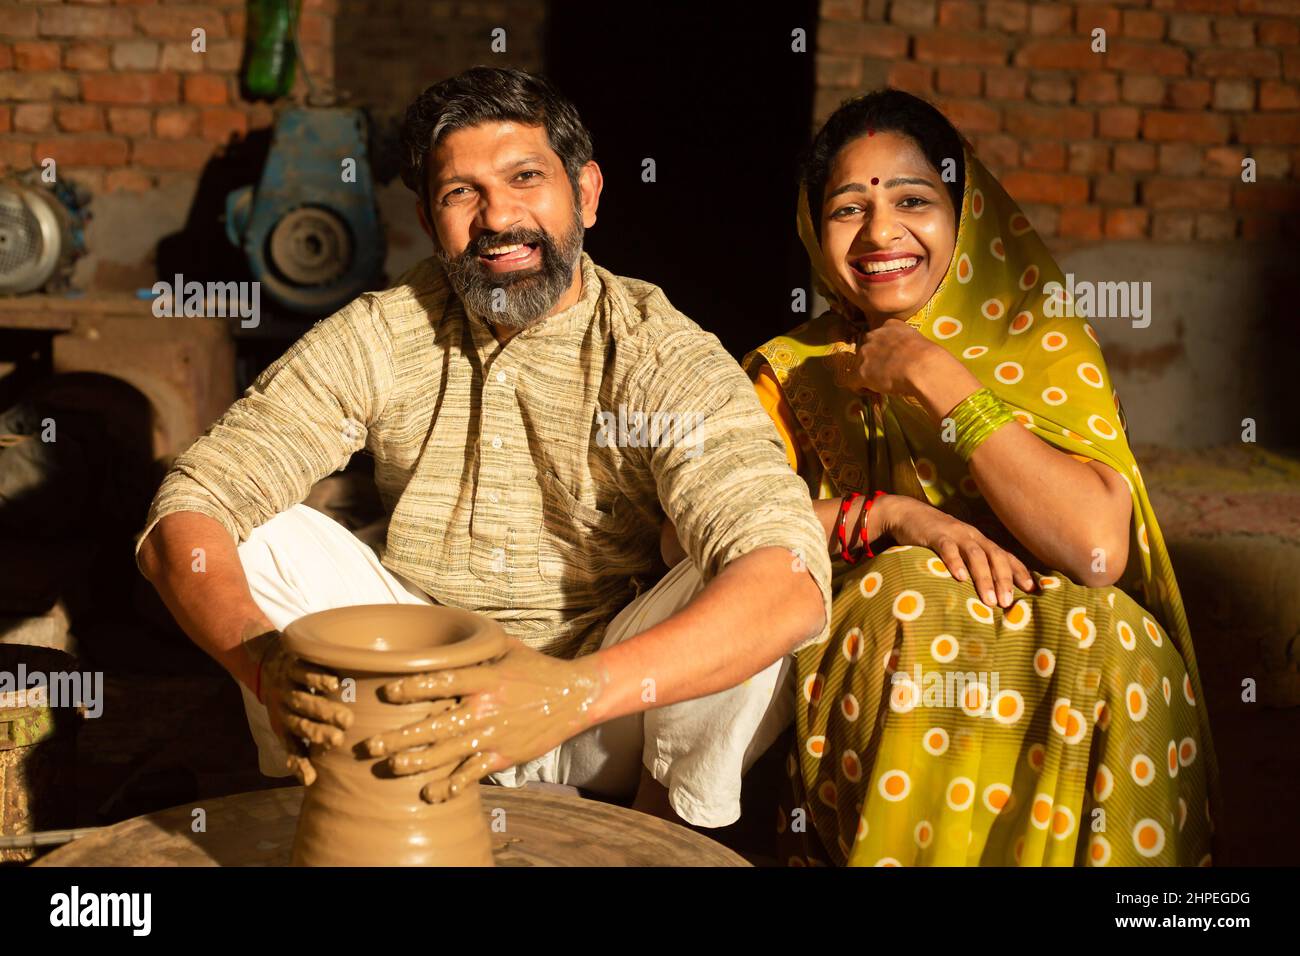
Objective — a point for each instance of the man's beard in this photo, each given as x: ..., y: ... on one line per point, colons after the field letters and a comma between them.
x: 515, y: 299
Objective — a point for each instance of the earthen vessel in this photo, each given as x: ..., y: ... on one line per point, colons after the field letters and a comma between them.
x: 357, y: 813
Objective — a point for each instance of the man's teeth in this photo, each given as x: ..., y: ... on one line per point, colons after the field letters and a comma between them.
x: 889, y: 265
x: 502, y: 250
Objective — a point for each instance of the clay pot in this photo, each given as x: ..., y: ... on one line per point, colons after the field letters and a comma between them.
x: 356, y: 813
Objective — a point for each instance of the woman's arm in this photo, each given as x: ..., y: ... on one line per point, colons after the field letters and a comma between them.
x: 1070, y: 514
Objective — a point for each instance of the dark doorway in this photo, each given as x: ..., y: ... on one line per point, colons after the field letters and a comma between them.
x: 714, y: 94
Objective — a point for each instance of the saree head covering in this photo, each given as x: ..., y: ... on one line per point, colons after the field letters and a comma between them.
x: 1003, y: 311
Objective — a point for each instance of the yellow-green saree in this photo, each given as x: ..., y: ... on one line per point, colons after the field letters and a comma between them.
x: 1069, y: 729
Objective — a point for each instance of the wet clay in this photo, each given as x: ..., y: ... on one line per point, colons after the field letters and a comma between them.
x: 357, y: 812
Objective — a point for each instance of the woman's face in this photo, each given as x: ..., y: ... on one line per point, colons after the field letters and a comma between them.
x: 888, y: 226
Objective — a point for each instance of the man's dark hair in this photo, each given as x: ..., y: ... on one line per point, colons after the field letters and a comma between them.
x: 486, y: 94
x: 886, y: 110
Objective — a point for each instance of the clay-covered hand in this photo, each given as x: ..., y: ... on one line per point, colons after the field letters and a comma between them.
x: 299, y: 715
x: 965, y: 550
x: 513, y: 709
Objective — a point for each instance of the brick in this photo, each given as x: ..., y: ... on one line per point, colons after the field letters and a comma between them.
x: 6, y: 119
x: 1225, y: 160
x: 1275, y: 128
x: 1134, y: 158
x: 225, y: 56
x: 961, y: 49
x: 1216, y: 226
x: 912, y: 77
x: 1192, y: 31
x: 1058, y: 188
x: 181, y: 58
x: 1051, y: 88
x: 176, y: 123
x: 34, y: 56
x: 1126, y: 223
x: 1089, y: 18
x: 998, y: 150
x: 1011, y: 16
x: 1230, y: 31
x: 19, y: 22
x: 1168, y: 193
x: 86, y: 56
x: 1237, y: 63
x: 128, y: 88
x: 1115, y: 190
x: 15, y: 154
x: 835, y: 70
x: 1281, y: 8
x: 177, y: 23
x: 1189, y: 94
x: 970, y: 116
x: 959, y: 80
x: 959, y: 15
x: 1261, y: 195
x: 84, y: 150
x: 1173, y: 226
x: 1291, y: 64
x: 33, y: 117
x: 219, y: 125
x: 1029, y: 122
x: 1276, y: 95
x: 1005, y: 83
x: 1089, y: 158
x: 1142, y: 90
x: 830, y: 9
x: 135, y: 55
x: 37, y: 86
x: 1258, y: 227
x: 1064, y: 54
x: 1234, y: 95
x: 1118, y: 122
x: 1046, y: 19
x: 70, y: 21
x: 127, y: 180
x: 1179, y: 159
x: 910, y: 14
x: 1043, y: 155
x: 1278, y: 33
x: 6, y: 57
x: 206, y: 89
x: 861, y: 39
x: 1142, y: 25
x: 78, y: 118
x: 130, y: 120
x: 1160, y: 59
x: 317, y: 30
x: 1197, y: 6
x: 169, y: 154
x: 1172, y: 125
x: 1081, y: 222
x: 1096, y: 88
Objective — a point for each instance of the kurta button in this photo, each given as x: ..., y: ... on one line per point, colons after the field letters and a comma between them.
x: 501, y: 377
x: 493, y: 497
x: 496, y: 442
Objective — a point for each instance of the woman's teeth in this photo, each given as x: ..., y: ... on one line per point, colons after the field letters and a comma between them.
x: 889, y: 265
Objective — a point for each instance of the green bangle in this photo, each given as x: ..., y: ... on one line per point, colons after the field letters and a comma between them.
x: 976, y: 417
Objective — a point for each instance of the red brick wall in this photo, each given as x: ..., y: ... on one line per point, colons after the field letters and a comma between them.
x: 113, y: 92
x: 1145, y: 140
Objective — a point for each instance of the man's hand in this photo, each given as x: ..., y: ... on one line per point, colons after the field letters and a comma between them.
x: 513, y: 709
x: 965, y: 550
x: 298, y: 716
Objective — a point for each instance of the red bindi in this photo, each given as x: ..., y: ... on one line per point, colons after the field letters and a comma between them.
x: 875, y: 181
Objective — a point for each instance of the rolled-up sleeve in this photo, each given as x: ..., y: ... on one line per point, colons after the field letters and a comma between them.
x: 721, y: 470
x: 302, y: 419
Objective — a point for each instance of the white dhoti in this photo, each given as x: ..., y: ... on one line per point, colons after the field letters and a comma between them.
x: 303, y: 561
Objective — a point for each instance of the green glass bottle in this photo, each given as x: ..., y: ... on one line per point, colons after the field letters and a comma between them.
x: 269, y: 71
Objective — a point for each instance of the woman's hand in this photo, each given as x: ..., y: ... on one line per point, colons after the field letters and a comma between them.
x: 890, y: 359
x: 966, y: 552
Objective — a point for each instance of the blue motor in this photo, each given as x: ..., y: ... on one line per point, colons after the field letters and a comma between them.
x: 310, y: 228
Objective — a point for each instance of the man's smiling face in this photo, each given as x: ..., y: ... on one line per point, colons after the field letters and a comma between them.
x: 506, y: 222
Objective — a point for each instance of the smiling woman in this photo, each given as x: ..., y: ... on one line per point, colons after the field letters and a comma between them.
x: 1022, y: 537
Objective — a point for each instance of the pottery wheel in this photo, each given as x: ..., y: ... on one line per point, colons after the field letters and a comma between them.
x: 533, y: 828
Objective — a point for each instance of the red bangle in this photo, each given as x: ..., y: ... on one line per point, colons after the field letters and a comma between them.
x: 845, y: 504
x: 866, y: 514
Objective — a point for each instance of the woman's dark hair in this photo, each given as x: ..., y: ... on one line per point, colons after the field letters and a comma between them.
x: 489, y: 94
x: 887, y: 110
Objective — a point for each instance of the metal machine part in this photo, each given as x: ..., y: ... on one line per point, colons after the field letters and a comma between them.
x: 36, y: 237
